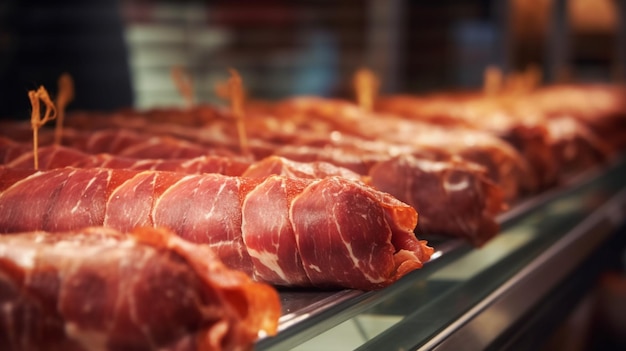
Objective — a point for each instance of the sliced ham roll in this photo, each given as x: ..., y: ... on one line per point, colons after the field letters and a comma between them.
x: 328, y: 233
x: 19, y: 155
x: 454, y: 198
x: 100, y: 289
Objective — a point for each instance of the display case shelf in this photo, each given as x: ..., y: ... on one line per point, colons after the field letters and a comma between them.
x: 465, y: 296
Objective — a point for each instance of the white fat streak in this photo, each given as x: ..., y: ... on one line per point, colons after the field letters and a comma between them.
x: 355, y: 261
x: 140, y: 163
x: 219, y: 244
x: 191, y: 161
x: 102, y: 244
x: 26, y: 179
x: 92, y: 140
x: 20, y: 159
x: 89, y: 339
x: 109, y: 175
x: 269, y: 260
x: 430, y: 166
x: 451, y: 187
x: 353, y: 258
x: 316, y: 268
x: 25, y: 259
x: 139, y: 184
x: 75, y: 208
x: 297, y: 234
x: 113, y: 195
x: 127, y: 244
x: 266, y: 258
x: 106, y: 158
x: 139, y: 146
x: 164, y: 194
x: 217, y: 196
x: 69, y: 248
x: 115, y: 192
x: 562, y: 127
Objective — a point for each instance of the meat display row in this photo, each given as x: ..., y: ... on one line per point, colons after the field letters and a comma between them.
x: 100, y: 289
x: 330, y: 232
x: 325, y: 195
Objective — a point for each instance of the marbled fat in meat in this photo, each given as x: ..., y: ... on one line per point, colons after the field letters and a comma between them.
x: 457, y: 200
x: 206, y: 209
x: 99, y: 289
x: 352, y: 241
x: 334, y: 215
x: 269, y: 235
x: 18, y: 155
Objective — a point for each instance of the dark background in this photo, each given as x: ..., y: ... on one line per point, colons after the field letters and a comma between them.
x: 120, y: 52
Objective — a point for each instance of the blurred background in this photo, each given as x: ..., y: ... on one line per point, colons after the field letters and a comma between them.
x: 121, y: 52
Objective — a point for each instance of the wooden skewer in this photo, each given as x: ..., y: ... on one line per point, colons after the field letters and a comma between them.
x: 366, y: 86
x: 36, y: 121
x: 233, y: 90
x: 515, y: 83
x: 525, y: 81
x: 183, y: 82
x: 533, y: 77
x: 492, y: 81
x: 64, y: 97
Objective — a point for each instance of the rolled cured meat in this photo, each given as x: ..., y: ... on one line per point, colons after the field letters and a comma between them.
x: 129, y: 143
x: 600, y: 107
x: 434, y: 187
x: 504, y: 164
x: 19, y: 155
x: 100, y: 289
x: 307, y: 170
x: 555, y: 128
x: 454, y: 198
x: 329, y: 233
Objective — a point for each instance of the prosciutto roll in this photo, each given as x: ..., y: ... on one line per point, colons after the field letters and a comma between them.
x: 100, y: 289
x: 328, y: 233
x: 128, y: 143
x: 454, y: 198
x: 18, y: 155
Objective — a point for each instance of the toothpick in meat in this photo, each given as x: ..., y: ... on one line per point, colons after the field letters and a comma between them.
x: 233, y: 91
x: 36, y: 121
x: 64, y: 97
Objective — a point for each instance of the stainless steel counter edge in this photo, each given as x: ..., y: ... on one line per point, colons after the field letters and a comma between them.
x: 483, y: 323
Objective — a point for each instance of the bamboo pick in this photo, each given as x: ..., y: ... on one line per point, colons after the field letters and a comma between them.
x: 233, y: 91
x: 36, y: 121
x: 366, y: 86
x: 64, y: 97
x: 533, y: 77
x: 184, y: 84
x: 492, y: 81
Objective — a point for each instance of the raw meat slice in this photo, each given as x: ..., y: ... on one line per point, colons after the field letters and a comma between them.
x: 100, y: 289
x: 226, y: 213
